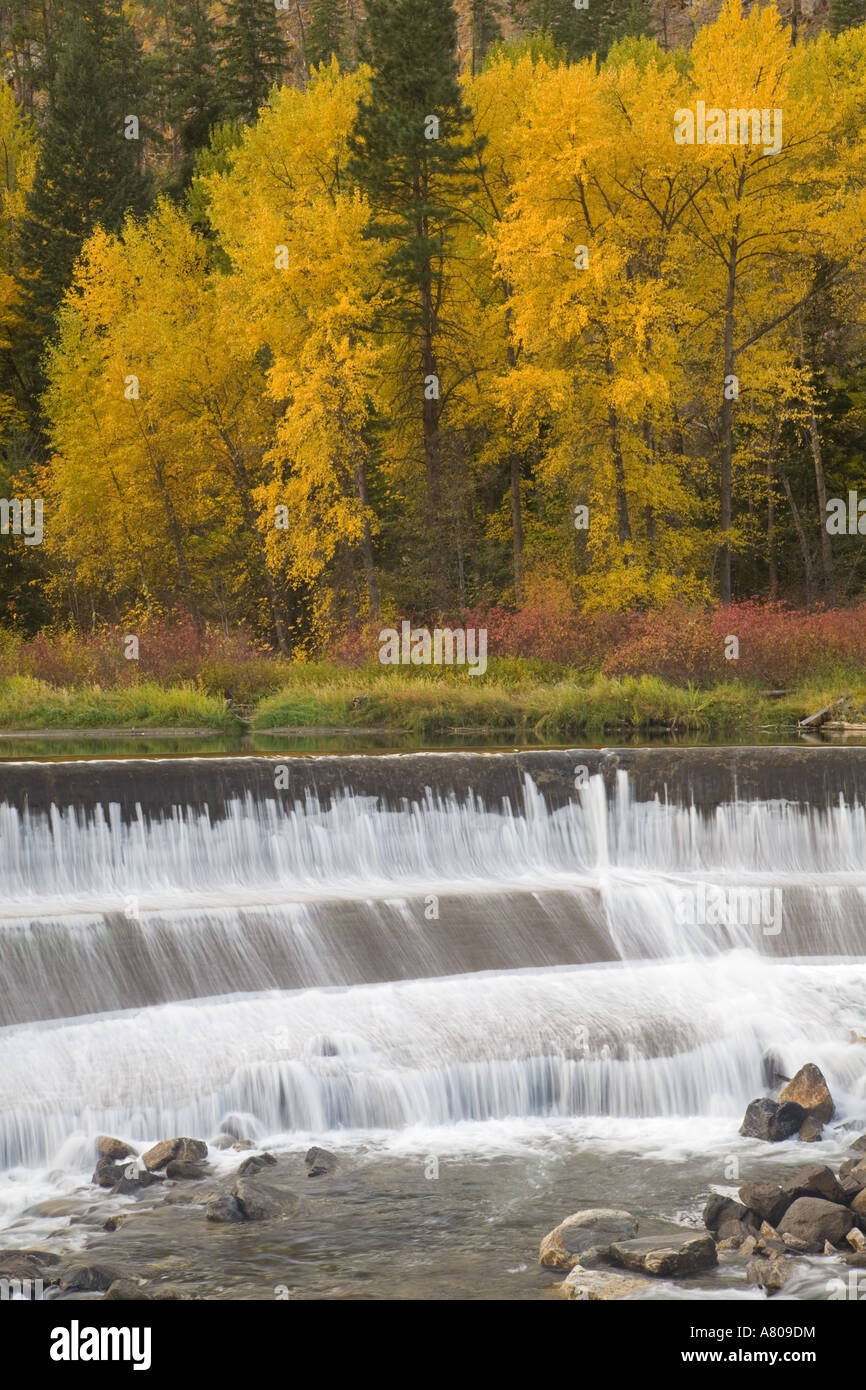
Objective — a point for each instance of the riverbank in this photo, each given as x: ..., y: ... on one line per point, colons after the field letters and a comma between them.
x: 514, y: 696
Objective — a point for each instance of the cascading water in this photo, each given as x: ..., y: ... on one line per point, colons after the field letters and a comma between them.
x: 342, y: 960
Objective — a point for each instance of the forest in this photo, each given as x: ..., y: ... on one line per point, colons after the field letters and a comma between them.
x: 321, y: 316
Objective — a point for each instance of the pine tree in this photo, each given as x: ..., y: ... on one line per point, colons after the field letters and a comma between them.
x: 590, y: 29
x: 88, y: 172
x: 847, y: 14
x: 484, y: 29
x: 410, y: 150
x: 253, y: 56
x: 326, y: 32
x: 194, y: 101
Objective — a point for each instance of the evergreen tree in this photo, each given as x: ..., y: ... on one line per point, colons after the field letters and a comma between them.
x: 591, y: 29
x: 484, y: 28
x: 409, y: 152
x: 88, y: 172
x: 194, y: 100
x: 326, y: 32
x: 253, y: 56
x: 847, y: 14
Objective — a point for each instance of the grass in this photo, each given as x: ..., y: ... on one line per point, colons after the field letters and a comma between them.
x: 27, y: 703
x: 553, y: 702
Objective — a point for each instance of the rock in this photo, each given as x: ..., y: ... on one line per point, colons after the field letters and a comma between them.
x: 816, y: 1181
x: 320, y: 1161
x: 665, y: 1257
x: 126, y: 1289
x: 59, y: 1206
x: 853, y: 1171
x: 596, y: 1255
x: 134, y: 1181
x: 597, y: 1286
x: 256, y: 1164
x: 732, y: 1234
x: 748, y: 1246
x: 765, y: 1199
x: 765, y: 1119
x: 242, y: 1144
x: 809, y: 1090
x: 107, y: 1147
x: 811, y: 1130
x: 107, y: 1172
x: 90, y: 1278
x: 223, y: 1141
x: 794, y: 1243
x: 260, y: 1200
x: 814, y: 1220
x: 859, y: 1145
x: 719, y: 1209
x: 858, y: 1204
x: 28, y: 1264
x: 184, y: 1168
x: 167, y: 1291
x: 856, y: 1239
x: 186, y: 1150
x: 236, y: 1126
x: 771, y: 1275
x: 225, y: 1209
x: 562, y: 1247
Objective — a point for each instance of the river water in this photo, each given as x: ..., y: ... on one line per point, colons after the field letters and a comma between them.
x: 491, y: 983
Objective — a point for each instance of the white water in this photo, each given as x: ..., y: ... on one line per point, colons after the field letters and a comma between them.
x: 676, y: 1025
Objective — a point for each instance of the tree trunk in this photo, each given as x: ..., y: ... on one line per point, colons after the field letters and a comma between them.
x: 623, y: 524
x: 808, y: 570
x: 726, y: 426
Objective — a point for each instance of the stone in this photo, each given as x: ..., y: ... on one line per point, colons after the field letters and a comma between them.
x: 732, y: 1234
x: 223, y: 1141
x: 859, y: 1145
x: 256, y: 1163
x: 562, y: 1247
x: 858, y: 1204
x: 794, y: 1243
x: 106, y: 1147
x: 853, y: 1172
x: 665, y: 1256
x: 814, y: 1220
x: 319, y: 1162
x: 748, y: 1247
x: 127, y: 1290
x: 809, y: 1089
x: 107, y: 1172
x: 184, y: 1168
x: 186, y: 1150
x: 134, y: 1181
x: 811, y: 1130
x: 260, y: 1200
x: 599, y: 1286
x: 772, y: 1274
x: 767, y: 1120
x: 719, y: 1209
x: 241, y: 1144
x: 815, y: 1181
x: 765, y: 1199
x: 225, y: 1209
x: 88, y: 1278
x: 856, y: 1239
x: 28, y: 1264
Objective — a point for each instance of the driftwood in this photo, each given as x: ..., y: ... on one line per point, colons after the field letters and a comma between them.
x: 822, y: 715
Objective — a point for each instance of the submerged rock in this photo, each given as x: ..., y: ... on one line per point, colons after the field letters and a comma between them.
x: 596, y: 1285
x: 665, y: 1256
x: 88, y: 1278
x: 809, y: 1089
x: 319, y: 1162
x: 127, y: 1290
x: 766, y: 1119
x: 562, y: 1247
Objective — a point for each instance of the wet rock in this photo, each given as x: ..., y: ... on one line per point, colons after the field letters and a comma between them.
x: 765, y: 1199
x: 562, y: 1247
x: 719, y: 1209
x: 771, y: 1275
x: 811, y: 1130
x: 853, y: 1173
x: 107, y: 1172
x: 767, y: 1120
x: 809, y: 1089
x: 256, y: 1164
x: 815, y: 1181
x: 261, y: 1196
x: 167, y: 1291
x: 186, y: 1150
x: 236, y: 1125
x: 859, y: 1145
x: 223, y: 1141
x: 88, y: 1278
x: 598, y: 1286
x: 60, y: 1206
x: 794, y: 1243
x: 856, y: 1239
x: 29, y: 1264
x: 225, y: 1209
x: 732, y: 1234
x: 319, y: 1162
x: 666, y: 1257
x: 814, y: 1220
x: 184, y: 1168
x: 106, y: 1147
x: 241, y: 1144
x: 858, y: 1204
x: 134, y: 1180
x: 127, y: 1290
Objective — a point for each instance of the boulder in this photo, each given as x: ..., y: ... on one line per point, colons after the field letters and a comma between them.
x: 598, y: 1286
x: 859, y: 1145
x: 732, y: 1234
x: 319, y: 1162
x: 853, y: 1172
x: 223, y: 1141
x: 88, y: 1278
x: 815, y: 1181
x: 765, y: 1119
x: 256, y: 1163
x: 225, y: 1209
x: 664, y: 1256
x: 772, y: 1274
x: 765, y: 1199
x: 134, y: 1180
x: 184, y: 1168
x: 261, y: 1199
x: 814, y: 1220
x: 187, y: 1150
x: 811, y: 1130
x: 126, y: 1289
x: 106, y: 1147
x: 809, y: 1089
x: 858, y: 1204
x: 107, y: 1172
x: 720, y: 1209
x: 28, y: 1264
x: 562, y: 1247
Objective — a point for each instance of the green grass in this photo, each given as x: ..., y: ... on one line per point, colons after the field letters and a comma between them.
x: 550, y: 701
x: 27, y: 703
